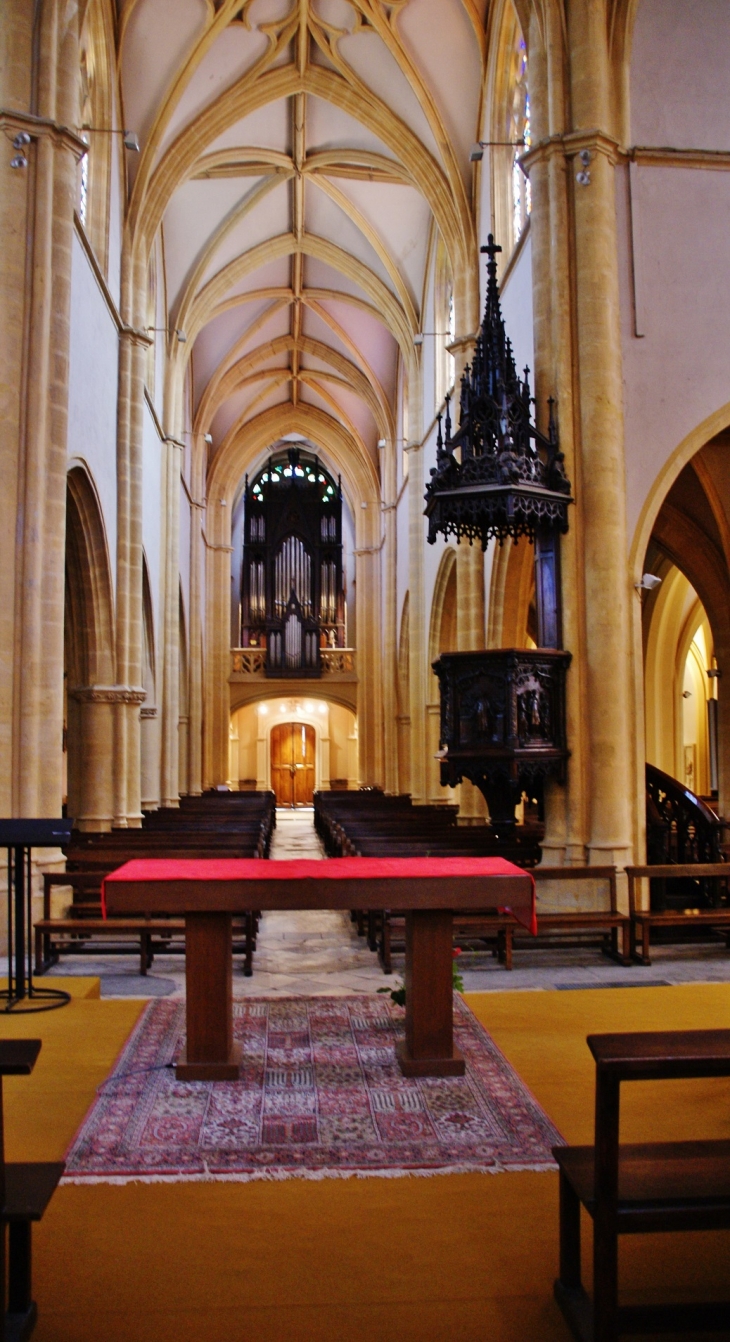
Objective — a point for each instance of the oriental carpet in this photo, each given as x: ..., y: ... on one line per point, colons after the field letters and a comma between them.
x: 321, y: 1095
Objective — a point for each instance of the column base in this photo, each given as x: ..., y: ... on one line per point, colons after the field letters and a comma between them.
x: 453, y: 1066
x: 210, y: 1071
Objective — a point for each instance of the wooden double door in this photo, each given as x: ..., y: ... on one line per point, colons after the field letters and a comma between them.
x: 292, y: 763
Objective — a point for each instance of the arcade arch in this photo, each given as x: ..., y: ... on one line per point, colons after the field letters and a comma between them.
x: 88, y: 658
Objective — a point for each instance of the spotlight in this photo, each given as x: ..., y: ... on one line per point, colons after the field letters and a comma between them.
x: 381, y: 442
x: 131, y: 141
x: 18, y: 161
x: 181, y: 336
x: 648, y: 582
x: 208, y: 438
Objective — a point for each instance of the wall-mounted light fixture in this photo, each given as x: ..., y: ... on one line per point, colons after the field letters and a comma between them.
x: 20, y: 140
x: 477, y: 151
x: 191, y: 433
x: 180, y: 334
x: 583, y: 178
x: 420, y: 336
x: 648, y: 582
x: 130, y: 139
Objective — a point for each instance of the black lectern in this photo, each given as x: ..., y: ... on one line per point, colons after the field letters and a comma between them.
x: 19, y: 837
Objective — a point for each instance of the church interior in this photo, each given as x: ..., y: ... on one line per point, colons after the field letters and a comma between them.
x: 365, y: 410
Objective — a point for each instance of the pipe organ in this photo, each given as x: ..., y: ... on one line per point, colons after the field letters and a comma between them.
x: 292, y: 596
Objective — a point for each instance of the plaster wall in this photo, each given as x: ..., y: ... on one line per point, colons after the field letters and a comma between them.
x: 675, y: 317
x: 680, y: 55
x: 675, y: 371
x: 516, y: 298
x: 92, y: 399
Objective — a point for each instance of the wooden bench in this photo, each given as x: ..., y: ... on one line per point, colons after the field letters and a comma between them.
x: 501, y: 929
x: 53, y: 936
x: 640, y: 1189
x: 195, y: 832
x: 26, y: 1188
x: 615, y: 926
x: 644, y: 920
x: 78, y: 936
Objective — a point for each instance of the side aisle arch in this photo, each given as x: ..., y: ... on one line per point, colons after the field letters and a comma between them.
x: 89, y: 658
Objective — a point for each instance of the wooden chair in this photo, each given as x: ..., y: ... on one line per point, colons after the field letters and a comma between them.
x: 26, y: 1189
x: 640, y: 1189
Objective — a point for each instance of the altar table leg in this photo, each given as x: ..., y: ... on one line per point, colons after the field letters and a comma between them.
x: 210, y: 1054
x: 429, y: 1044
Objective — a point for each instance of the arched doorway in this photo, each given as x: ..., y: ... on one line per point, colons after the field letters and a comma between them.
x: 686, y: 627
x: 292, y: 763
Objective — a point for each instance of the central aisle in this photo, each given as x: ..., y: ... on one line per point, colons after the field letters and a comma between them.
x: 308, y: 952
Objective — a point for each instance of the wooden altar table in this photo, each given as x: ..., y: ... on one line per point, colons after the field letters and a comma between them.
x: 208, y: 892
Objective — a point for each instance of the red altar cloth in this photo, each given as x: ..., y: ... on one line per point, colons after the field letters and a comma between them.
x: 389, y: 870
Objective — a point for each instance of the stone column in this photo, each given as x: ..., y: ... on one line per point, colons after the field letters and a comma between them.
x: 134, y: 342
x: 92, y: 806
x: 600, y: 481
x: 566, y: 824
x: 170, y: 698
x: 417, y: 627
x: 217, y: 665
x: 390, y: 623
x: 36, y: 279
x: 470, y: 606
x: 368, y: 616
x: 195, y: 622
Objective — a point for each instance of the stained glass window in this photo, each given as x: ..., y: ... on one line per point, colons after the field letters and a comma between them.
x: 84, y: 185
x: 520, y: 135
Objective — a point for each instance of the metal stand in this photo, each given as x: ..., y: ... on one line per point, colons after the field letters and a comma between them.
x: 20, y: 837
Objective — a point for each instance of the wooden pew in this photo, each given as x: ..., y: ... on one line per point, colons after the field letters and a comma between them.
x: 644, y: 920
x: 231, y: 824
x: 640, y: 1189
x: 26, y: 1189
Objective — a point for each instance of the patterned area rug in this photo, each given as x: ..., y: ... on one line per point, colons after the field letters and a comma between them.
x: 321, y: 1095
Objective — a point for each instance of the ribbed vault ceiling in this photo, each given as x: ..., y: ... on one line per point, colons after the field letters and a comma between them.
x: 300, y: 157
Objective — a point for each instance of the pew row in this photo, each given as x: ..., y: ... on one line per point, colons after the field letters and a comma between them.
x: 217, y: 824
x: 644, y: 921
x: 555, y: 927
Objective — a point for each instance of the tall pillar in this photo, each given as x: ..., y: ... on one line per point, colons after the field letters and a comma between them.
x: 417, y: 630
x: 39, y: 93
x: 195, y: 623
x: 134, y: 343
x: 470, y: 609
x: 566, y: 812
x: 601, y: 479
x: 217, y: 666
x: 390, y: 624
x: 369, y: 647
x: 170, y: 699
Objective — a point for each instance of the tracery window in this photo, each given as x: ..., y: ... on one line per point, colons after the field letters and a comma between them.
x: 445, y: 324
x: 95, y: 124
x: 520, y: 131
x: 511, y: 130
x: 291, y: 584
x: 85, y: 116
